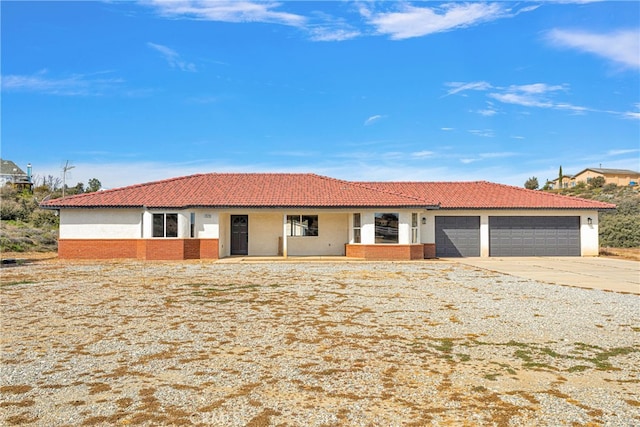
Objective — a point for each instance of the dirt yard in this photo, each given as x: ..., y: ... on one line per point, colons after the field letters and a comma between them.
x: 314, y: 344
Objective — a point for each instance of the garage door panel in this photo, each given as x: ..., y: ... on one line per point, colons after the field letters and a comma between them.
x: 457, y: 236
x: 534, y: 236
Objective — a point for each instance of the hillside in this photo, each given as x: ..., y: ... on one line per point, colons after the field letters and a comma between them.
x: 618, y: 229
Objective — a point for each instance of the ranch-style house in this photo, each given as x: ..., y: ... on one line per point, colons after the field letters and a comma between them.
x: 217, y: 215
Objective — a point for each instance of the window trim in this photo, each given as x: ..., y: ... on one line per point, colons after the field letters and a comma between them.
x: 357, y: 228
x: 291, y: 229
x: 164, y: 225
x: 378, y: 240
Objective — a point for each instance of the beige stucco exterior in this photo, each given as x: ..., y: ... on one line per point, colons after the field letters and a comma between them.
x: 619, y: 179
x: 267, y: 227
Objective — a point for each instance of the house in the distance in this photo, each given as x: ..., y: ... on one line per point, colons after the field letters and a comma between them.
x: 11, y: 174
x: 216, y: 215
x: 620, y: 177
x: 563, y: 182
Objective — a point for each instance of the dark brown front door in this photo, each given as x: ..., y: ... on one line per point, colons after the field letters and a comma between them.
x: 239, y: 234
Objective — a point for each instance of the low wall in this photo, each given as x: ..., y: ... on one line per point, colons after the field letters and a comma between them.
x: 385, y: 252
x: 147, y: 249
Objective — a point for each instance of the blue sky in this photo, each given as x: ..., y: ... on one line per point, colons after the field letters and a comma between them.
x: 131, y: 92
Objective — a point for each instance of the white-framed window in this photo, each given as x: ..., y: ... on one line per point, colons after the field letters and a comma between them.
x: 357, y: 228
x: 414, y: 228
x: 192, y: 224
x: 387, y: 227
x: 165, y: 225
x: 302, y: 225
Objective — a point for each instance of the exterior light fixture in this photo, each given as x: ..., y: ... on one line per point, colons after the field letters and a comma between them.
x: 589, y: 221
x: 424, y: 220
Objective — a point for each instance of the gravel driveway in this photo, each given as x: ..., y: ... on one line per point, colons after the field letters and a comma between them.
x: 314, y: 344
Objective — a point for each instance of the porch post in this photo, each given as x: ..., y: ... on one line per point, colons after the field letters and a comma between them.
x: 284, y: 235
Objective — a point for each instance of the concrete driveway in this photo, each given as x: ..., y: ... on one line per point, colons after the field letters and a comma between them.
x: 585, y: 272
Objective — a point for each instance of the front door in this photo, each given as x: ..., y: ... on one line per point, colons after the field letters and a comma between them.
x: 239, y: 234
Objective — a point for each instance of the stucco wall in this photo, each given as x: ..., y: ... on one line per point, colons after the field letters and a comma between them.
x: 100, y: 223
x: 333, y: 233
x: 588, y: 233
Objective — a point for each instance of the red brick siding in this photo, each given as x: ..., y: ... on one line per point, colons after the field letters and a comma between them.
x: 429, y: 250
x: 385, y: 252
x: 150, y: 249
x: 97, y: 249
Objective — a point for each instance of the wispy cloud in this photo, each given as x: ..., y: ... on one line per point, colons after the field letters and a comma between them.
x: 622, y: 151
x: 486, y: 133
x: 227, y: 11
x: 411, y: 21
x: 73, y: 85
x: 538, y: 95
x: 457, y: 87
x: 422, y: 154
x: 633, y: 114
x: 172, y: 57
x: 447, y: 129
x: 621, y: 47
x: 373, y: 119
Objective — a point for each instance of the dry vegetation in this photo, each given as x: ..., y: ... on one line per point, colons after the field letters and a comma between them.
x: 191, y: 343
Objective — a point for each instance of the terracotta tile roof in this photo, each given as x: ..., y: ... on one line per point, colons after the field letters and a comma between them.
x: 487, y: 195
x: 264, y: 190
x: 244, y: 190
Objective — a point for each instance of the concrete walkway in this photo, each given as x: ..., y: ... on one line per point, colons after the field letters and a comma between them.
x: 584, y: 272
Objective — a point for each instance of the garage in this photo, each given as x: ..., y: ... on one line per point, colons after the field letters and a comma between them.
x: 534, y: 236
x: 457, y: 236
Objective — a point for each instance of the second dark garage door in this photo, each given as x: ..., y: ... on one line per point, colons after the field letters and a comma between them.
x: 457, y: 236
x: 534, y: 236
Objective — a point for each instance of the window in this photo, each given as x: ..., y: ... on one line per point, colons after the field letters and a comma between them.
x: 192, y: 228
x: 165, y: 225
x: 302, y: 225
x: 356, y: 228
x: 387, y: 227
x: 414, y: 228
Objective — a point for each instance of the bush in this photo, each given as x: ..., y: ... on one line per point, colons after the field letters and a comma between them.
x: 43, y: 218
x: 11, y: 210
x: 619, y: 230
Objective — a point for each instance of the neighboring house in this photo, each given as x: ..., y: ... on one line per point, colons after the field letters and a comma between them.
x: 620, y: 177
x: 10, y: 173
x: 557, y: 183
x: 216, y: 215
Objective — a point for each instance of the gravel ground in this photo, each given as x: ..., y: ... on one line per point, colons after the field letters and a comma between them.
x: 313, y: 344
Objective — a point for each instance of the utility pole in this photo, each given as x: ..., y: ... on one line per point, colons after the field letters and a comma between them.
x: 67, y: 167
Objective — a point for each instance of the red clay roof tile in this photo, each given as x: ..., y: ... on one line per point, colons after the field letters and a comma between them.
x: 263, y: 190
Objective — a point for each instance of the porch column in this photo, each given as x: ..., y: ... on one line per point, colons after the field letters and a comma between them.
x: 284, y: 235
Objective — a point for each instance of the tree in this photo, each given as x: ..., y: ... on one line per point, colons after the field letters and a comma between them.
x: 531, y: 183
x: 560, y: 177
x: 597, y: 182
x: 94, y: 185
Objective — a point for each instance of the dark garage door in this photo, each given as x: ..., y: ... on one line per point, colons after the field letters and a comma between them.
x: 457, y: 236
x: 534, y: 236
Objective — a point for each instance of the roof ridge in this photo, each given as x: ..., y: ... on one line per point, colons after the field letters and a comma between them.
x: 362, y: 184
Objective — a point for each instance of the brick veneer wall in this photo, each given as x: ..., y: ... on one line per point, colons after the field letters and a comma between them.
x: 429, y: 250
x: 149, y: 249
x: 385, y: 252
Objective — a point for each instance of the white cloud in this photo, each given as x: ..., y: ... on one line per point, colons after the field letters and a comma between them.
x: 622, y: 151
x: 621, y: 47
x: 172, y: 57
x: 487, y: 112
x: 227, y: 11
x: 371, y: 120
x: 74, y: 85
x: 422, y: 154
x: 410, y: 21
x: 486, y: 133
x: 458, y: 87
x: 447, y: 129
